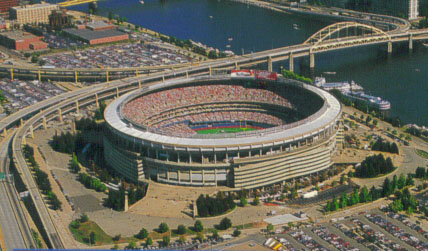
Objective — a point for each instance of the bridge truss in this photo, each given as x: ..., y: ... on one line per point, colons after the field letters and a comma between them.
x: 324, y: 39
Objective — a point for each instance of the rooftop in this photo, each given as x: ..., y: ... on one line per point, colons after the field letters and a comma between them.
x: 90, y: 34
x: 98, y: 24
x: 33, y: 6
x: 17, y: 35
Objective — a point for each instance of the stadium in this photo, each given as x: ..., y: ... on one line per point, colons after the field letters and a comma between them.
x: 247, y: 129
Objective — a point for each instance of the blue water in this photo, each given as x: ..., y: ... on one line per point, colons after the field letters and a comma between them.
x: 401, y: 79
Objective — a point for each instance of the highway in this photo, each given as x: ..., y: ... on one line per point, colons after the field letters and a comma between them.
x: 16, y: 231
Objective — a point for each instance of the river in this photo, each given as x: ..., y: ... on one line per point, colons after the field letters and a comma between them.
x: 402, y: 78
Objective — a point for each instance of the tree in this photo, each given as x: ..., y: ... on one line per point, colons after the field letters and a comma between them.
x: 394, y: 148
x: 84, y: 218
x: 198, y: 226
x: 74, y: 164
x: 110, y: 15
x: 163, y: 227
x: 387, y: 188
x: 115, y: 247
x: 401, y: 181
x: 394, y: 183
x: 166, y: 240
x: 215, y: 234
x: 142, y: 234
x: 243, y: 201
x: 420, y: 172
x: 132, y: 245
x: 294, y: 193
x: 334, y: 204
x: 256, y: 201
x: 181, y: 229
x: 409, y: 180
x: 364, y: 195
x: 75, y: 224
x: 236, y: 232
x: 117, y: 237
x: 149, y: 242
x: 225, y: 223
x: 269, y: 228
x: 182, y: 239
x: 396, y: 206
x: 200, y: 237
x: 343, y: 200
x: 92, y: 238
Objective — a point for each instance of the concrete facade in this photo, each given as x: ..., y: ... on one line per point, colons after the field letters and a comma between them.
x: 29, y: 14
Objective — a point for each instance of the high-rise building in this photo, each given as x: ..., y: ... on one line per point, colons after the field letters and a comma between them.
x: 6, y: 4
x: 399, y: 8
x: 35, y: 13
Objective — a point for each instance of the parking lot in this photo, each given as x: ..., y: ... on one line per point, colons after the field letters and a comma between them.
x: 116, y: 56
x: 20, y: 94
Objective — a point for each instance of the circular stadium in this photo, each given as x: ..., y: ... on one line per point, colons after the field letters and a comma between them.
x: 239, y: 130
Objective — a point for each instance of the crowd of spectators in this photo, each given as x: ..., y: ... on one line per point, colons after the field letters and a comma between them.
x: 20, y: 94
x: 115, y: 56
x: 307, y: 241
x: 397, y: 232
x: 141, y: 109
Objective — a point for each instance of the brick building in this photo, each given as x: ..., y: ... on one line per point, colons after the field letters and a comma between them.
x: 20, y: 40
x: 29, y: 14
x: 6, y: 4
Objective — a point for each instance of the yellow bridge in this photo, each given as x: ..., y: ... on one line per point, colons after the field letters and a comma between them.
x: 75, y: 2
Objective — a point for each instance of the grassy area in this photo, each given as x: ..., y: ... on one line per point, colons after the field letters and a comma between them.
x: 81, y: 234
x: 422, y: 153
x: 225, y: 130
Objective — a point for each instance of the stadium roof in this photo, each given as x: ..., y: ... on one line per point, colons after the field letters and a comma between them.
x: 307, y: 129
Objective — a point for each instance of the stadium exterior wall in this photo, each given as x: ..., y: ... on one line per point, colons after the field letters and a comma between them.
x: 257, y: 162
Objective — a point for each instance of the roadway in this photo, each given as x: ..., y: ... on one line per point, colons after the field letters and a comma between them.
x: 17, y: 233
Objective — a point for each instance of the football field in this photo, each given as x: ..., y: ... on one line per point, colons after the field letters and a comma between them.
x: 224, y: 130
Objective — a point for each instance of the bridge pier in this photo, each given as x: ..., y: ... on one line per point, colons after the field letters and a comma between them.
x: 60, y: 115
x: 136, y: 73
x: 236, y: 66
x: 139, y: 84
x: 77, y: 106
x: 410, y: 42
x: 75, y: 77
x: 96, y: 100
x: 269, y: 63
x: 389, y: 47
x: 4, y: 132
x: 11, y: 74
x: 107, y: 78
x: 210, y: 70
x: 311, y: 60
x: 39, y: 76
x: 163, y: 78
x: 45, y: 126
x: 291, y: 62
x: 187, y: 74
x: 117, y: 92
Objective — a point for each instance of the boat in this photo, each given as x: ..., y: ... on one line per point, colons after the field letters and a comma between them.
x: 211, y: 17
x: 425, y: 44
x: 296, y: 26
x: 330, y: 72
x: 372, y: 101
x: 230, y: 39
x: 228, y: 46
x: 141, y: 1
x: 341, y: 86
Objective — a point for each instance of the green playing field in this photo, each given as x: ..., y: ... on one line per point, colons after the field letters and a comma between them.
x: 224, y: 130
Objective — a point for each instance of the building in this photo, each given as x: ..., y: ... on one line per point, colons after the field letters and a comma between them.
x: 399, y: 8
x: 301, y: 144
x: 30, y: 14
x: 20, y: 40
x: 59, y: 19
x: 6, y: 4
x: 96, y: 36
x: 99, y: 25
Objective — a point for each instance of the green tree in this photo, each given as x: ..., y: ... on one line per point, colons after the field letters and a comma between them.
x: 215, y: 234
x: 74, y: 164
x: 269, y: 228
x: 343, y: 200
x: 116, y: 237
x: 92, y: 238
x: 110, y: 15
x: 334, y: 204
x: 182, y: 239
x: 236, y: 232
x: 225, y: 223
x: 181, y: 229
x: 409, y: 180
x: 163, y: 227
x: 198, y: 226
x: 294, y: 193
x: 131, y: 245
x: 396, y: 206
x: 256, y: 201
x: 387, y: 188
x: 166, y: 240
x: 84, y: 218
x: 200, y: 237
x: 149, y: 241
x: 401, y: 181
x: 364, y: 195
x: 142, y: 234
x: 243, y: 201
